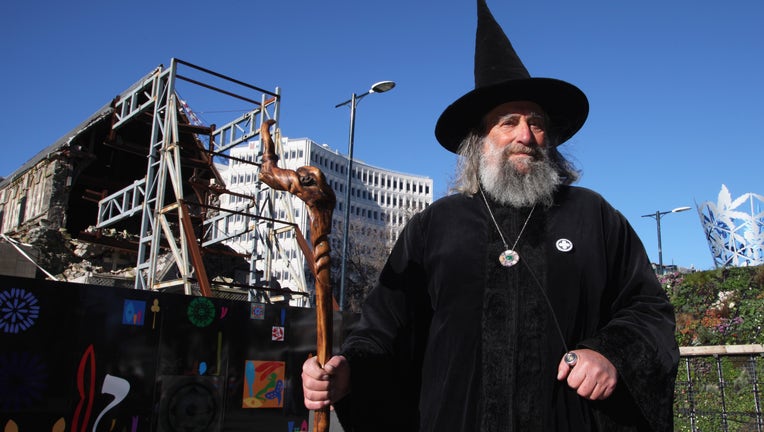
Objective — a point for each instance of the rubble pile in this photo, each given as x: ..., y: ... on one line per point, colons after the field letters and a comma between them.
x: 108, y: 257
x: 52, y: 245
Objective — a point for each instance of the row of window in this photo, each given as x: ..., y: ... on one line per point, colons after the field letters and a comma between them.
x: 338, y: 187
x: 393, y: 218
x: 248, y: 156
x: 389, y: 236
x: 373, y: 178
x: 252, y: 157
x: 235, y: 199
x: 242, y: 178
x: 321, y: 161
x: 385, y: 200
x: 281, y: 215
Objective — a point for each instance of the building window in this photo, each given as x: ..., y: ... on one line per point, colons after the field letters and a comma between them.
x: 22, y: 209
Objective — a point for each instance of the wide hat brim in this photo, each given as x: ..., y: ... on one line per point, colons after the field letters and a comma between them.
x: 565, y: 104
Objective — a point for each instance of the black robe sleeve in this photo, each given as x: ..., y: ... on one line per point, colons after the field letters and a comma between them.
x: 638, y: 336
x: 385, y: 350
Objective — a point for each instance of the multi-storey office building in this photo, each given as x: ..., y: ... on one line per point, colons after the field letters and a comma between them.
x: 381, y: 202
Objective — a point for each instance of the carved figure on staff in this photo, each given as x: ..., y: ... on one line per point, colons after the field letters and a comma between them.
x: 309, y: 185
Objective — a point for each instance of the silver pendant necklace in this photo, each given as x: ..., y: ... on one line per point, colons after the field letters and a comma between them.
x: 510, y: 256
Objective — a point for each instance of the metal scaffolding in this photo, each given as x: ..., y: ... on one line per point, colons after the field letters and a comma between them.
x: 179, y: 215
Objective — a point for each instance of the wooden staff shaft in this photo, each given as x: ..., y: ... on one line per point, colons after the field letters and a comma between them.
x: 324, y: 330
x: 309, y: 184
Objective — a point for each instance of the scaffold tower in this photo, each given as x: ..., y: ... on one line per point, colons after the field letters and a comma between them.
x: 177, y: 202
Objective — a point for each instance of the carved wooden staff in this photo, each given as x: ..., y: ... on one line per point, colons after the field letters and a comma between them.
x: 309, y: 184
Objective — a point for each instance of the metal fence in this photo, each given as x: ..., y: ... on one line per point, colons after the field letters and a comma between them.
x: 717, y: 389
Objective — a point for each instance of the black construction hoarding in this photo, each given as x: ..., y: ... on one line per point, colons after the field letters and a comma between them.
x: 77, y: 357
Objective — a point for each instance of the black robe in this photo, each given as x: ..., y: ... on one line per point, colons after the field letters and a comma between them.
x: 450, y: 340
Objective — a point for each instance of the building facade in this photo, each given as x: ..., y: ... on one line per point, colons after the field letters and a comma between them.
x: 381, y: 202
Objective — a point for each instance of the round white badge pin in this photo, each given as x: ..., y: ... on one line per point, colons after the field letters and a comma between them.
x: 564, y: 245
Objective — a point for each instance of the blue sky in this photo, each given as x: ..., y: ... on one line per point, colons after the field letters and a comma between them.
x: 676, y: 87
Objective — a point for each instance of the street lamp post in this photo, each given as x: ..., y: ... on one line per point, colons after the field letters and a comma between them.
x: 379, y: 87
x: 657, y: 216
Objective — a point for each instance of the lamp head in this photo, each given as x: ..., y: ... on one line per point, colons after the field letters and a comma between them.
x: 382, y: 87
x: 680, y: 209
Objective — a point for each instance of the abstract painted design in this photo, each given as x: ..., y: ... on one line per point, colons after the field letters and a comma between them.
x: 190, y: 404
x: 278, y: 332
x: 22, y: 381
x: 86, y: 378
x: 734, y: 229
x: 58, y: 426
x: 154, y: 311
x: 134, y: 312
x: 18, y: 310
x: 201, y: 312
x: 292, y: 427
x: 263, y: 384
x: 257, y: 311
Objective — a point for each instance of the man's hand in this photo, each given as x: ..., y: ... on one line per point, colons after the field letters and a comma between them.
x: 324, y: 386
x: 593, y: 377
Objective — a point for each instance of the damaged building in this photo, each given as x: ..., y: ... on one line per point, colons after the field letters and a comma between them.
x: 55, y: 193
x: 130, y: 197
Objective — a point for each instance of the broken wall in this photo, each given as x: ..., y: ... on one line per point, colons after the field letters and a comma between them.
x: 36, y: 196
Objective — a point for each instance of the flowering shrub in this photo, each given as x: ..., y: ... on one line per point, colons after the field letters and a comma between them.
x: 718, y: 307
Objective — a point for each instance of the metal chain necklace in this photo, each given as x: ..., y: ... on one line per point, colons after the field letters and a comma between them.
x: 510, y: 256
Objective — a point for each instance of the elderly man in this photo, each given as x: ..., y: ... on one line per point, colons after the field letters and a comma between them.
x: 521, y: 303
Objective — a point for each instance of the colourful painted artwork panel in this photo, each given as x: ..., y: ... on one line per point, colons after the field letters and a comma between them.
x: 18, y: 310
x: 277, y: 334
x: 257, y: 311
x: 263, y: 384
x: 134, y: 312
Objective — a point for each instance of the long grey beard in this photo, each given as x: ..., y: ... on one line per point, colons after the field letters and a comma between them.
x: 509, y: 187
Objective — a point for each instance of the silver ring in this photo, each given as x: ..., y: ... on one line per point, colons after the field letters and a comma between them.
x: 570, y: 358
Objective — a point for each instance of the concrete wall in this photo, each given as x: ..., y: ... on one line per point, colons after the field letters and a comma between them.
x: 13, y: 263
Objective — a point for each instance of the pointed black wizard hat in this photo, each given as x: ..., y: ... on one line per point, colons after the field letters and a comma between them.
x: 501, y: 77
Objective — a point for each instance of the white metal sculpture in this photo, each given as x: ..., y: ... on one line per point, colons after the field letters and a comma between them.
x: 734, y: 229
